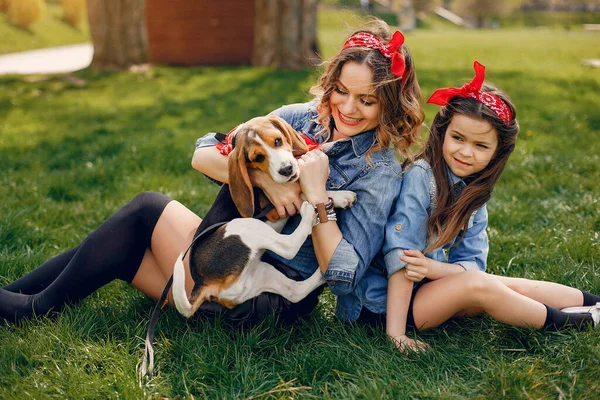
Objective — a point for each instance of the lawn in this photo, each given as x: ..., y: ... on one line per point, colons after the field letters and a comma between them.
x: 70, y: 156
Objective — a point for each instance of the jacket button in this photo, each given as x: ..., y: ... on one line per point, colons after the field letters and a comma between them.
x: 398, y: 227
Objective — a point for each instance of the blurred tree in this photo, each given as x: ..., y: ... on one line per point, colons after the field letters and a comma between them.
x: 426, y: 5
x: 561, y: 5
x: 24, y: 13
x: 118, y: 31
x: 482, y: 10
x: 285, y: 34
x: 405, y: 10
x: 73, y: 11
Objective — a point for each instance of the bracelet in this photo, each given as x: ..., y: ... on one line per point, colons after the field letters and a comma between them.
x: 325, y: 212
x: 329, y: 204
x: 322, y: 208
x: 324, y: 215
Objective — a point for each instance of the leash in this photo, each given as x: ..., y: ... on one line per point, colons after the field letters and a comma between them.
x: 148, y: 360
x: 147, y: 365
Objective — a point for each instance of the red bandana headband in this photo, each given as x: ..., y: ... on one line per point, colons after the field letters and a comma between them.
x: 390, y: 50
x: 473, y: 89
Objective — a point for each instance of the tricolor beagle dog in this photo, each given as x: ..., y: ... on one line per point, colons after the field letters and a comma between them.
x: 227, y: 265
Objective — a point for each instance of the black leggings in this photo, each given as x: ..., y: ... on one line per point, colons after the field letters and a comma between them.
x: 113, y: 251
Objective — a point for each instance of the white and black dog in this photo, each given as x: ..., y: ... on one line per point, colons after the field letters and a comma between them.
x: 226, y: 266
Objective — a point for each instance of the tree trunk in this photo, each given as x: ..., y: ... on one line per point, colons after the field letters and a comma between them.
x: 285, y: 34
x: 480, y: 21
x: 405, y: 10
x: 118, y: 31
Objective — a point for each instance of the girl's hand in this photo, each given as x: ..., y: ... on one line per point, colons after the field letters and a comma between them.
x: 284, y: 196
x: 406, y: 344
x: 417, y: 265
x: 314, y: 171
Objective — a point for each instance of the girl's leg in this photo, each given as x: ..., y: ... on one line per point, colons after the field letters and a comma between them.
x: 552, y: 294
x: 114, y: 250
x: 468, y: 292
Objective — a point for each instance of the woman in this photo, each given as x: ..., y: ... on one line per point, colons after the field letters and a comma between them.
x: 366, y: 99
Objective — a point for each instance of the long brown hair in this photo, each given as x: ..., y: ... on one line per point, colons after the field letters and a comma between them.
x: 400, y: 99
x: 451, y: 214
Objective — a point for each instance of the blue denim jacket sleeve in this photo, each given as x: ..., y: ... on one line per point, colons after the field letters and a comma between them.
x: 207, y: 140
x: 294, y: 114
x: 362, y: 227
x: 406, y: 228
x: 472, y: 251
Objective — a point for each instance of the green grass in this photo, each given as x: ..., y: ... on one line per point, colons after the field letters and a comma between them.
x: 70, y: 156
x: 49, y: 31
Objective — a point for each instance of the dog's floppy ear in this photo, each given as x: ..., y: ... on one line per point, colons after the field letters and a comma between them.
x: 239, y: 181
x: 299, y: 147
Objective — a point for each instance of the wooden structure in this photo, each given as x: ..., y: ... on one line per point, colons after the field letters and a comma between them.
x: 200, y: 32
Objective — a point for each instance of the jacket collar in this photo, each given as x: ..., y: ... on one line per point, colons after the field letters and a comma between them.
x: 454, y: 179
x: 457, y: 184
x: 362, y: 142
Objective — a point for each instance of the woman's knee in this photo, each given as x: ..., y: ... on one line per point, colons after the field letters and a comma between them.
x: 148, y: 206
x: 150, y: 199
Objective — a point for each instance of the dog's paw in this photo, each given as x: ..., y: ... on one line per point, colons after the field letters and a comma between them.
x: 343, y: 198
x: 308, y: 211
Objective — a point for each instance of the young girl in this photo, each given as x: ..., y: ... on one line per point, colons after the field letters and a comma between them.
x: 367, y: 99
x: 438, y: 228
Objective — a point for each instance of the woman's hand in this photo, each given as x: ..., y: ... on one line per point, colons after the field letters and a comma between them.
x: 406, y: 344
x: 284, y: 196
x: 417, y: 265
x: 314, y: 171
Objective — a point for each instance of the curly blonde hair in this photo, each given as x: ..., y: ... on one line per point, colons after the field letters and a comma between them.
x: 400, y: 98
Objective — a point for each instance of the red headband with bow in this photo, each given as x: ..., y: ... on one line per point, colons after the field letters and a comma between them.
x: 390, y: 50
x: 473, y: 89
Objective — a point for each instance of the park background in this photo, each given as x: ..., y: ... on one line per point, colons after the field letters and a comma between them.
x: 75, y: 147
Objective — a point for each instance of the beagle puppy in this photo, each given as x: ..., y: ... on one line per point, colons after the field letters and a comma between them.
x: 226, y: 266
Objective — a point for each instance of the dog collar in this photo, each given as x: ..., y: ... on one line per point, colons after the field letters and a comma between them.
x: 228, y: 145
x: 311, y: 144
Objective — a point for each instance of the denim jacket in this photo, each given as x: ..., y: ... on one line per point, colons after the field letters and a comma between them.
x: 406, y: 229
x: 376, y: 184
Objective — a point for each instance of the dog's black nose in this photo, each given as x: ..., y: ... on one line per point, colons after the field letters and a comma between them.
x: 286, y: 171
